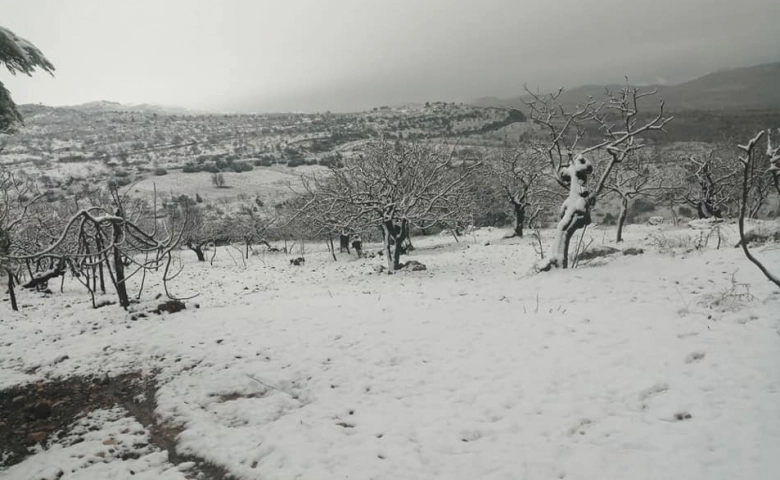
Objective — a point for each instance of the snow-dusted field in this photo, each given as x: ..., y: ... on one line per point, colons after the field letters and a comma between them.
x: 271, y: 184
x: 655, y: 366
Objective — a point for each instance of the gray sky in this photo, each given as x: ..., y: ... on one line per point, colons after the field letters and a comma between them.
x: 291, y: 55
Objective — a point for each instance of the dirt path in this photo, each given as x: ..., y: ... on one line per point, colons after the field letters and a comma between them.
x: 42, y: 413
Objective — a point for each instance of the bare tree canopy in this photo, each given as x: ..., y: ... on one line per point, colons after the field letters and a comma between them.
x: 392, y: 186
x: 619, y: 120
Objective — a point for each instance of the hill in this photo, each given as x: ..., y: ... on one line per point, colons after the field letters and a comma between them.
x: 749, y: 88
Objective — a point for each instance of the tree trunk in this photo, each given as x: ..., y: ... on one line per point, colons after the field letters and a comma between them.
x: 394, y: 237
x: 198, y: 249
x: 575, y: 214
x: 11, y: 292
x: 331, y: 247
x: 403, y: 236
x: 622, y: 218
x: 100, y: 265
x: 519, y: 218
x: 119, y: 269
x: 343, y: 243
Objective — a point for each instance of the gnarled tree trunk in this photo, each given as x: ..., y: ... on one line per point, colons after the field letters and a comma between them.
x: 394, y: 238
x: 343, y: 243
x: 575, y: 212
x: 519, y: 208
x: 198, y: 249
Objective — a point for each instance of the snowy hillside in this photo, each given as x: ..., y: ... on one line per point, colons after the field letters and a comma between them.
x: 655, y: 366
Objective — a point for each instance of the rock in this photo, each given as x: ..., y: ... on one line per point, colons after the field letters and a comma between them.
x: 655, y: 220
x: 414, y: 266
x: 171, y: 306
x: 633, y: 251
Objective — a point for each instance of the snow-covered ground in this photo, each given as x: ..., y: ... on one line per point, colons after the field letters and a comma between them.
x: 658, y: 366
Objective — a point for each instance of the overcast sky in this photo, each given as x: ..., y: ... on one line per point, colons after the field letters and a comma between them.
x: 306, y: 55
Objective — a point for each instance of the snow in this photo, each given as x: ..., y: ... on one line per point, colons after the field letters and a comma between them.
x: 104, y: 437
x: 642, y: 367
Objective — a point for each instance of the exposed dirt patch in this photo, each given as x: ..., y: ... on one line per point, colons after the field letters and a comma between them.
x: 42, y: 413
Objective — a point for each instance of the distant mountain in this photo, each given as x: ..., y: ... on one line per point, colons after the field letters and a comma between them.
x: 107, y: 106
x: 749, y: 88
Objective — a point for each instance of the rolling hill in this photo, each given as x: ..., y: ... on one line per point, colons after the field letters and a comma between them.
x: 749, y: 88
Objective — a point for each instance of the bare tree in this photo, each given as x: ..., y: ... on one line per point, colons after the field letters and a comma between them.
x: 519, y: 174
x: 710, y: 185
x: 17, y: 197
x: 636, y: 177
x: 391, y: 186
x: 620, y: 124
x: 748, y: 172
x: 199, y: 230
x: 251, y: 225
x: 124, y: 237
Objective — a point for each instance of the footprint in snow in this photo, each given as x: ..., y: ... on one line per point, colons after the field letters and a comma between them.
x: 581, y: 427
x: 657, y: 389
x: 694, y: 357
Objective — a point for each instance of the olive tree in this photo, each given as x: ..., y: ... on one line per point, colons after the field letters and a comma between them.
x: 519, y: 173
x: 619, y: 124
x: 636, y: 177
x: 392, y: 186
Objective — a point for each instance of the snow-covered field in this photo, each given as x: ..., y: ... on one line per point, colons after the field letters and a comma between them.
x: 271, y: 184
x: 664, y: 365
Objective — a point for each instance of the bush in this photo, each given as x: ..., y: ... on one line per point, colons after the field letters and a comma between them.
x: 119, y: 182
x: 685, y: 212
x: 218, y: 180
x: 190, y: 168
x: 643, y: 206
x: 609, y: 219
x: 239, y: 167
x: 296, y: 162
x: 160, y: 172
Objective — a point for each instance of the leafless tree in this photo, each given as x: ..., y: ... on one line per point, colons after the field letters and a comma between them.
x: 200, y: 229
x: 710, y: 185
x: 391, y: 186
x: 251, y: 225
x: 748, y: 172
x: 635, y: 177
x: 519, y: 173
x: 17, y: 197
x: 618, y: 120
x: 124, y: 237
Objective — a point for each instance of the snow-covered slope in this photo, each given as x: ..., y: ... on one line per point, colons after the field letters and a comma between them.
x: 662, y: 365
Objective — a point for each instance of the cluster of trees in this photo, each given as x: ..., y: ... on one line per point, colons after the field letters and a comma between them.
x: 101, y: 237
